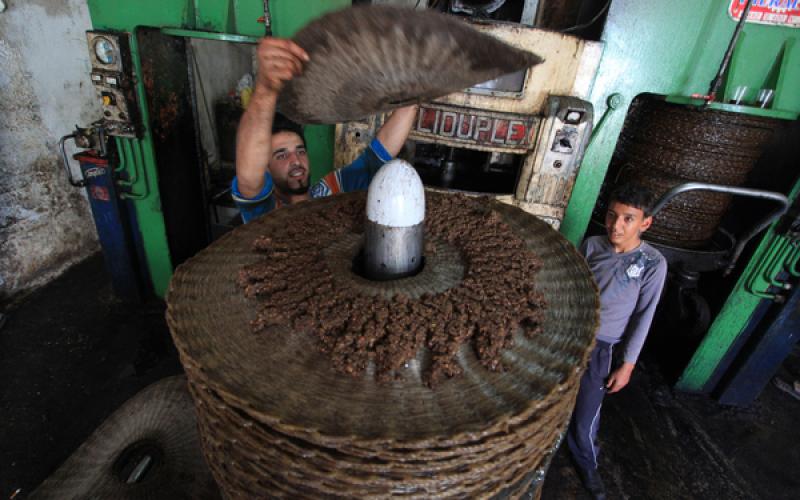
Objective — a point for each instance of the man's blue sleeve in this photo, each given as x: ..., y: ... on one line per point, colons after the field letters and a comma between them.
x: 357, y: 175
x: 262, y: 203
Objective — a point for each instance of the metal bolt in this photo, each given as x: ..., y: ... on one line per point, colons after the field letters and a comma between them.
x: 614, y: 101
x: 557, y: 164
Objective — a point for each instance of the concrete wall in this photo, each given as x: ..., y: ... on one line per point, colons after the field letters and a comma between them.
x: 45, y: 224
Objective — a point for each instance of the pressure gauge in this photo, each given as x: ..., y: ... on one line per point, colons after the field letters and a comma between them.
x: 104, y: 50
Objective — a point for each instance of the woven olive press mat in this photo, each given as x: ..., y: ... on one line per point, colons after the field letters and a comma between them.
x: 278, y: 418
x: 156, y: 428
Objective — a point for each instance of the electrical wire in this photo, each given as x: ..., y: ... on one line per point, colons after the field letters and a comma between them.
x: 591, y: 22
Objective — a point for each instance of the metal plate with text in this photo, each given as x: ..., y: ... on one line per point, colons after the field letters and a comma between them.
x: 485, y: 130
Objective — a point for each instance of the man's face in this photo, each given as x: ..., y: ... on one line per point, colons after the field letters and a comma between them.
x: 625, y: 224
x: 289, y: 163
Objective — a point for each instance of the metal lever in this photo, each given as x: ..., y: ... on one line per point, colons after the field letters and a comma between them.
x: 101, y: 134
x: 737, y: 191
x: 65, y: 160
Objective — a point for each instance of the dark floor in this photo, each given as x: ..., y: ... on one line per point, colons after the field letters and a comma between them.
x: 71, y: 354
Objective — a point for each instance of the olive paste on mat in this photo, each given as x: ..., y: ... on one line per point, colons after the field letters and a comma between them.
x: 296, y: 287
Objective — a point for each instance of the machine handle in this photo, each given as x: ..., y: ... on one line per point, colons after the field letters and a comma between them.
x: 65, y: 160
x: 737, y: 191
x: 101, y: 135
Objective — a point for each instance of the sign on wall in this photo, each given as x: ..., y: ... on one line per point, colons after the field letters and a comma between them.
x: 777, y: 12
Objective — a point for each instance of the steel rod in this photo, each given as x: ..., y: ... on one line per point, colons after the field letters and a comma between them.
x: 726, y: 59
x: 737, y: 191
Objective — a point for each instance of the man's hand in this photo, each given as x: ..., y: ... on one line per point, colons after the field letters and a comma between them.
x: 279, y: 60
x: 619, y: 378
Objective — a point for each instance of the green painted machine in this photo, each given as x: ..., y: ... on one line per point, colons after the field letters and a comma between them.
x: 671, y: 49
x: 675, y: 49
x: 242, y: 21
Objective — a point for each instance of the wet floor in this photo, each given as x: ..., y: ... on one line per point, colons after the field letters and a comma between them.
x: 70, y: 354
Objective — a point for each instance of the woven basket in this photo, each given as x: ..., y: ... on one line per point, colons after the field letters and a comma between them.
x: 160, y: 422
x: 277, y: 420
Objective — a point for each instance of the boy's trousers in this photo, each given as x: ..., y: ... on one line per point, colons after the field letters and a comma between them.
x: 582, y: 432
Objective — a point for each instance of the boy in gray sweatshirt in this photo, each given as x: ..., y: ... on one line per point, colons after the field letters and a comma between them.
x: 630, y: 275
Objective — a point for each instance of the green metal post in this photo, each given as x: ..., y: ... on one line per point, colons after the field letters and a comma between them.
x: 735, y: 315
x: 287, y: 18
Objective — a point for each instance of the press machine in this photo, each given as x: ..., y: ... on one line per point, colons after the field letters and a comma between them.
x: 519, y: 138
x: 671, y: 52
x: 676, y: 50
x: 542, y: 141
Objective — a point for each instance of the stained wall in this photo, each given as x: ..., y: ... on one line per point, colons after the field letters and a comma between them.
x: 45, y: 223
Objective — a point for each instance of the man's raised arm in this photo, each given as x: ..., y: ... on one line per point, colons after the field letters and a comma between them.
x: 279, y: 61
x: 394, y: 132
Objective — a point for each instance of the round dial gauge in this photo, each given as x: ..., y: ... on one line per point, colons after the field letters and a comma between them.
x: 104, y: 50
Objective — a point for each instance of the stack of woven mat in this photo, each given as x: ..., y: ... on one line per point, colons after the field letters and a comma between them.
x: 277, y: 420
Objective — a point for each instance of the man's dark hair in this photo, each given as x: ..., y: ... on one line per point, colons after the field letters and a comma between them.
x: 282, y: 124
x: 634, y: 195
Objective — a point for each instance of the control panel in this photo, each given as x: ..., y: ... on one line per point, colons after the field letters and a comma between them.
x: 111, y: 76
x: 563, y: 136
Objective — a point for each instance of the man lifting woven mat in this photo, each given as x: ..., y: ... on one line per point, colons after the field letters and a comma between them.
x: 312, y: 381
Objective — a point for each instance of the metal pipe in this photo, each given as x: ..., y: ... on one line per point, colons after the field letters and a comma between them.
x: 780, y: 249
x: 101, y: 136
x: 768, y: 270
x: 726, y: 59
x: 529, y: 11
x: 737, y: 191
x: 65, y: 161
x: 793, y: 261
x: 140, y: 470
x: 392, y: 252
x: 208, y: 35
x: 718, y: 188
x: 127, y: 154
x: 394, y: 230
x: 758, y: 271
x: 122, y: 166
x: 135, y: 157
x: 267, y: 19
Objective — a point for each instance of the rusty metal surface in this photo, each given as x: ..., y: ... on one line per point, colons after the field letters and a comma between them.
x: 664, y: 144
x: 165, y: 74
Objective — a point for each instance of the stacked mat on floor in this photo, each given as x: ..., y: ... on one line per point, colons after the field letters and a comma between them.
x: 276, y: 419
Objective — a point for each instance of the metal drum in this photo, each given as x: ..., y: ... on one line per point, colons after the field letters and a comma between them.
x: 279, y: 417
